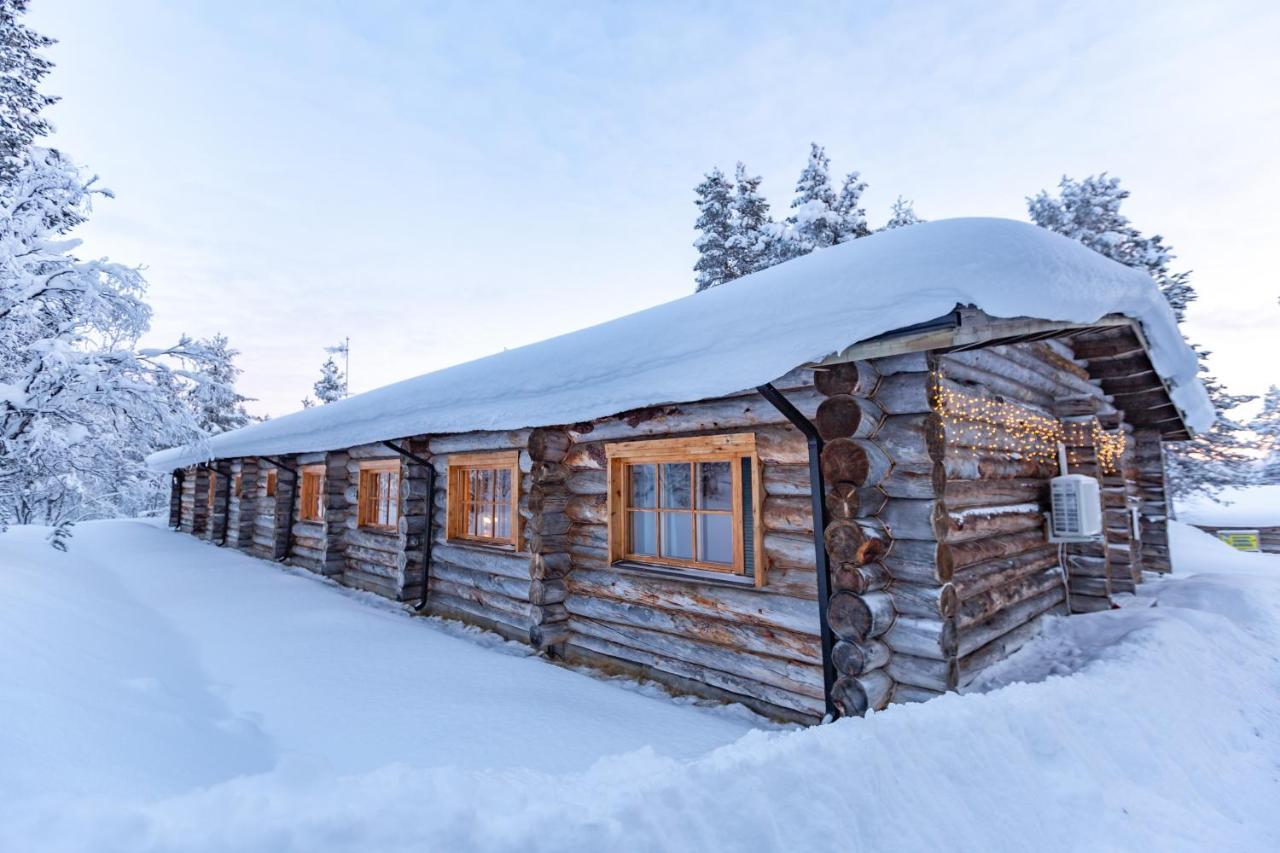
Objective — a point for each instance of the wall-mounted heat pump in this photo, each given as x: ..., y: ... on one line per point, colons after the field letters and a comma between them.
x: 1076, y: 502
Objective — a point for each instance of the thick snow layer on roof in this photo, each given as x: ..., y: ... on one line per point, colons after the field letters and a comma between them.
x: 741, y: 335
x: 1246, y: 506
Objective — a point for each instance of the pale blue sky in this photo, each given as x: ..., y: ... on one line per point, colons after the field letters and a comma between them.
x: 440, y: 181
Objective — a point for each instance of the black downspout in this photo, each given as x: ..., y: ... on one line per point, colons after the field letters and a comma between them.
x: 293, y: 498
x: 226, y: 503
x: 179, y: 476
x: 817, y: 490
x: 431, y: 511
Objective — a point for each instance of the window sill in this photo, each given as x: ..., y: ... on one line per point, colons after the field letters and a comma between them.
x: 704, y: 576
x: 483, y: 547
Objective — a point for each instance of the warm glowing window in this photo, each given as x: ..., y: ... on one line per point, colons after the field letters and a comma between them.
x: 271, y: 483
x: 379, y: 494
x: 311, y: 505
x: 687, y: 503
x: 239, y: 485
x: 213, y: 487
x: 483, y: 492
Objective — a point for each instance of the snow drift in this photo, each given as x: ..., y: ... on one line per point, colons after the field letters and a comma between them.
x: 1242, y: 506
x: 739, y: 336
x: 225, y: 722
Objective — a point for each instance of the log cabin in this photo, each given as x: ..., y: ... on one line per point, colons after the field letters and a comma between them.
x: 814, y: 490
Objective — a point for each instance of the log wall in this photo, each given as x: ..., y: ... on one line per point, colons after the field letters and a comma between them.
x: 187, y: 500
x: 1153, y: 502
x: 718, y: 637
x: 242, y: 513
x: 388, y: 563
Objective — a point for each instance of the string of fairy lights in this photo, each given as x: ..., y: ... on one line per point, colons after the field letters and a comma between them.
x: 991, y: 424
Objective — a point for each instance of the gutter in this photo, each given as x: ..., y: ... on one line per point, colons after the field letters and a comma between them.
x: 293, y: 501
x: 817, y: 492
x: 431, y: 512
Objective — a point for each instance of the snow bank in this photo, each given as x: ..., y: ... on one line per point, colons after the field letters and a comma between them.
x: 1138, y: 729
x: 728, y: 339
x: 1245, y: 506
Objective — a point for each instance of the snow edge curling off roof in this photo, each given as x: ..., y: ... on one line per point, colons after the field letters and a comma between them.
x: 740, y: 335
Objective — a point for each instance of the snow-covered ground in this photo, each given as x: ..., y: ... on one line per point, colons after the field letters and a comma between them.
x: 159, y: 694
x: 1242, y: 506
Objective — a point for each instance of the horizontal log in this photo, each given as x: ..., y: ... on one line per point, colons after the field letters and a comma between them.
x: 588, y: 455
x: 441, y: 602
x: 940, y: 601
x: 854, y: 460
x: 789, y: 645
x: 846, y: 416
x: 941, y: 675
x: 797, y: 583
x: 587, y: 509
x: 908, y: 693
x: 970, y: 525
x: 508, y: 563
x: 747, y: 606
x: 857, y: 658
x: 587, y: 482
x: 905, y: 393
x: 964, y: 554
x: 859, y: 579
x: 919, y: 561
x: 788, y: 551
x: 788, y: 515
x: 850, y: 377
x: 982, y: 577
x: 973, y: 664
x: 722, y: 681
x: 859, y: 617
x: 937, y: 639
x: 387, y: 564
x: 515, y: 589
x: 854, y: 696
x: 980, y: 608
x: 804, y: 679
x: 745, y: 412
x: 790, y: 480
x: 977, y: 636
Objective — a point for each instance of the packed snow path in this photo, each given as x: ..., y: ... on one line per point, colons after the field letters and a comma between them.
x: 160, y: 694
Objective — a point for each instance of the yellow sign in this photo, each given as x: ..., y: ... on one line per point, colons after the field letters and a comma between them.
x: 1241, y: 540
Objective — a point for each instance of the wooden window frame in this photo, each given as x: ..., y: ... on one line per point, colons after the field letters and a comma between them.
x: 271, y: 482
x: 459, y: 465
x: 305, y: 511
x: 237, y: 488
x: 704, y: 448
x: 213, y: 489
x: 369, y: 490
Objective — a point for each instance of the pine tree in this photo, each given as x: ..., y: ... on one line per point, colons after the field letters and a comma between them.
x: 851, y: 219
x: 331, y: 385
x: 212, y: 395
x: 1266, y: 426
x: 715, y: 227
x: 902, y: 215
x: 21, y: 70
x: 1089, y: 211
x: 748, y: 247
x: 814, y: 221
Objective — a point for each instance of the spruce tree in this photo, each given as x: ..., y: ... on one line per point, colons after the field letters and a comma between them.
x: 851, y: 219
x: 213, y: 398
x: 21, y: 70
x: 331, y: 385
x: 1266, y: 426
x: 903, y: 214
x: 813, y: 221
x: 715, y: 229
x: 749, y: 247
x: 1089, y: 211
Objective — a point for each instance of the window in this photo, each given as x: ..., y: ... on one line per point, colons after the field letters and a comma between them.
x: 379, y: 494
x: 686, y: 503
x: 238, y: 488
x: 312, y: 506
x: 213, y: 487
x: 271, y: 483
x: 483, y: 492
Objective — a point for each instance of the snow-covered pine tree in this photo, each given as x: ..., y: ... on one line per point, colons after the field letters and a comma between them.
x: 80, y: 406
x: 1266, y: 426
x: 1089, y: 211
x: 330, y: 386
x: 21, y: 70
x: 903, y: 214
x: 814, y: 222
x: 212, y: 393
x: 749, y: 246
x: 715, y: 229
x: 851, y: 219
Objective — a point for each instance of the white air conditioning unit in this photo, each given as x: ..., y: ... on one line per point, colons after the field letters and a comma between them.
x: 1077, y: 509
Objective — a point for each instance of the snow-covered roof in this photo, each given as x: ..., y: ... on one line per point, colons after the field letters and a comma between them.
x: 740, y: 335
x: 1244, y: 506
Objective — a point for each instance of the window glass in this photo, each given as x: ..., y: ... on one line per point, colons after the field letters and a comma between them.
x: 644, y: 488
x: 677, y: 535
x: 715, y: 485
x: 644, y: 533
x: 715, y: 538
x: 676, y: 488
